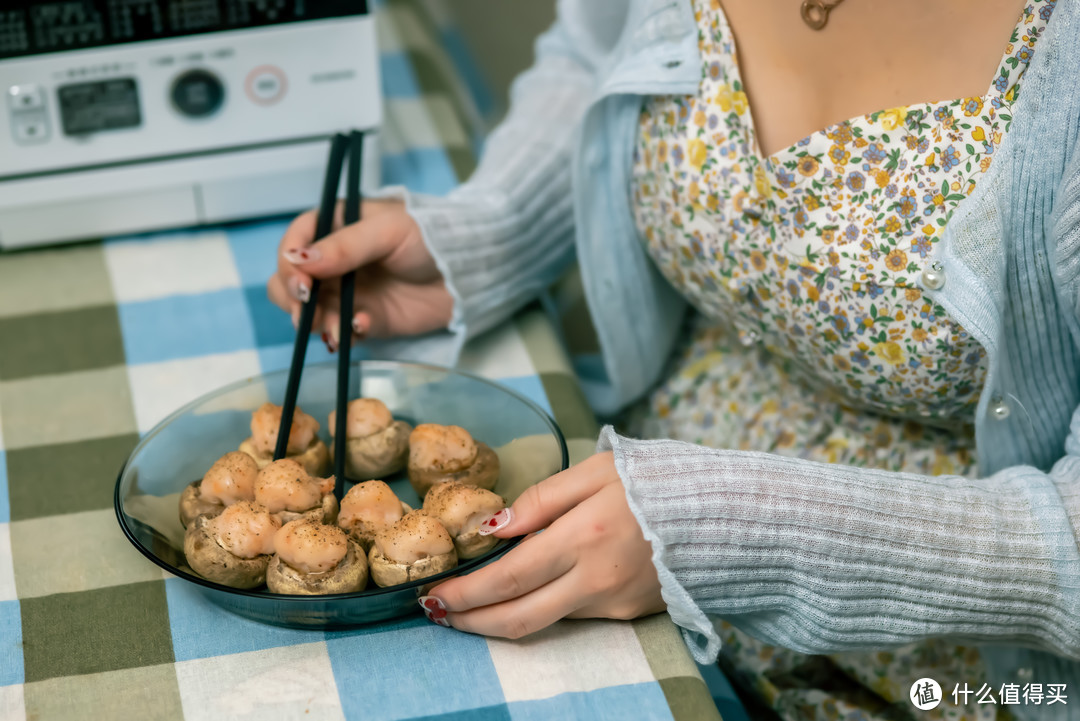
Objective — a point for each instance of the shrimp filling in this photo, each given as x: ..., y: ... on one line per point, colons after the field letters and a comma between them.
x: 415, y: 537
x: 265, y: 422
x: 461, y: 508
x: 285, y: 486
x: 309, y: 546
x: 443, y: 448
x: 245, y: 530
x: 364, y: 417
x: 372, y: 504
x: 231, y: 479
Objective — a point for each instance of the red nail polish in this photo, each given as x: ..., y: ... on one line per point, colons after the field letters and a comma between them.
x: 496, y: 522
x: 434, y: 610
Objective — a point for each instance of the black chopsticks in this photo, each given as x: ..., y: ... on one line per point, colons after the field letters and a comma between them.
x: 341, y: 144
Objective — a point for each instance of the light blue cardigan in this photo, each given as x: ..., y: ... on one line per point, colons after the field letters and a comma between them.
x: 802, y: 554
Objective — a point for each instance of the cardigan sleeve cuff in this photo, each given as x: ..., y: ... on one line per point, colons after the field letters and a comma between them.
x: 698, y: 631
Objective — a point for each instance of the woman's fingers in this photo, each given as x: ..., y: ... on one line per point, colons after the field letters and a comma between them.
x: 342, y: 251
x: 524, y: 614
x: 279, y: 296
x: 535, y: 562
x: 549, y: 499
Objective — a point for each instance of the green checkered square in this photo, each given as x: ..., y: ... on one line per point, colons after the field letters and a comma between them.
x: 106, y: 629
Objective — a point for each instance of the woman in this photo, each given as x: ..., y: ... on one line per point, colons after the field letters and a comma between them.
x: 869, y: 447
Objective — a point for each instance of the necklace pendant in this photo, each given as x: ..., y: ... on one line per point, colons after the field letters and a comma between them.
x: 815, y: 13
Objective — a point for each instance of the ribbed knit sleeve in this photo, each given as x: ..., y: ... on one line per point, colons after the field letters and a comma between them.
x: 507, y: 233
x: 824, y: 558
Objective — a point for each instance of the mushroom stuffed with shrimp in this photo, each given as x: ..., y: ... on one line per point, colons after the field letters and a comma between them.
x: 234, y: 547
x: 314, y: 559
x: 376, y: 445
x: 415, y: 547
x: 289, y: 492
x: 368, y: 508
x: 461, y: 509
x: 439, y: 454
x: 230, y: 480
x: 304, y: 447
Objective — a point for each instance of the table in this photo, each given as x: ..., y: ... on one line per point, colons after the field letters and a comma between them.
x: 100, y: 341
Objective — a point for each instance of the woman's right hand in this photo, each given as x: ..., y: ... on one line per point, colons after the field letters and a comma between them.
x: 399, y: 290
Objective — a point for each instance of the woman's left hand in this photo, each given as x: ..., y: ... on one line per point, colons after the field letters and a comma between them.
x: 591, y: 561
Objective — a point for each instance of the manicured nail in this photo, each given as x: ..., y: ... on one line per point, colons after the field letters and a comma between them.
x: 358, y: 326
x: 434, y: 610
x: 296, y: 256
x: 496, y: 523
x: 303, y: 292
x: 329, y: 341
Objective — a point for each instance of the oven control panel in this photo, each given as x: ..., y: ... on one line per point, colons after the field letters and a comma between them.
x: 89, y: 83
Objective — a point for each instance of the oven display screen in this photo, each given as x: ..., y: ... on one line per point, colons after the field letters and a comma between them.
x: 104, y: 105
x: 31, y: 27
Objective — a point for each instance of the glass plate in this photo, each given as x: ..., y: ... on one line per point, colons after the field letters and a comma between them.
x: 182, y: 447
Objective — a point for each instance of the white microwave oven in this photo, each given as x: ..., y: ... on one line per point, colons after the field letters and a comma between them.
x: 122, y: 116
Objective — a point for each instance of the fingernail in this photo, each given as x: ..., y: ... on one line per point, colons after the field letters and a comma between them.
x: 330, y: 344
x: 496, y: 523
x: 358, y: 326
x: 303, y: 292
x: 297, y: 256
x: 434, y: 609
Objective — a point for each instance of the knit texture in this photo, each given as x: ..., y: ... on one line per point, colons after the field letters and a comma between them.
x: 823, y: 558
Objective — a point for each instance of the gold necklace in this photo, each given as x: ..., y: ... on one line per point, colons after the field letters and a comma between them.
x: 815, y: 13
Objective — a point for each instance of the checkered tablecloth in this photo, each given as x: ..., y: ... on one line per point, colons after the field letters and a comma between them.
x: 100, y: 341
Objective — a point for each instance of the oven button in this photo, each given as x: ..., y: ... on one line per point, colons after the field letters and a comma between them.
x: 31, y: 130
x: 26, y: 97
x: 198, y: 93
x: 265, y: 84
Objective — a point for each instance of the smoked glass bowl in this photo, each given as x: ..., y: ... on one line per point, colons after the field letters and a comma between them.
x: 182, y: 447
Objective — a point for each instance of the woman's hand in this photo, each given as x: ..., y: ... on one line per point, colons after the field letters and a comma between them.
x: 399, y: 290
x: 591, y: 561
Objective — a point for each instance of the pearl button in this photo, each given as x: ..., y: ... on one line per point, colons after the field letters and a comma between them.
x: 933, y: 277
x: 999, y: 409
x: 749, y: 337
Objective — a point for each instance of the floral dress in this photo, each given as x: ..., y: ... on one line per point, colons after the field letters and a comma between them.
x: 812, y: 336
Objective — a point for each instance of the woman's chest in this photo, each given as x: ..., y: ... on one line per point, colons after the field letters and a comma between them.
x: 819, y: 250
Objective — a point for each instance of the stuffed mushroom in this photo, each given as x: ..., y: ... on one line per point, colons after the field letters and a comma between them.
x: 368, y: 508
x: 230, y: 480
x: 461, y: 509
x: 314, y: 559
x: 289, y: 492
x: 376, y: 445
x: 234, y: 547
x: 305, y: 447
x: 438, y: 454
x: 415, y: 547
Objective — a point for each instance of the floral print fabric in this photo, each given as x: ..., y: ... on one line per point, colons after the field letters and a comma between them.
x: 812, y: 336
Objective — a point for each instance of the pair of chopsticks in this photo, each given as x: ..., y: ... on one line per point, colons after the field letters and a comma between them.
x: 353, y: 144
